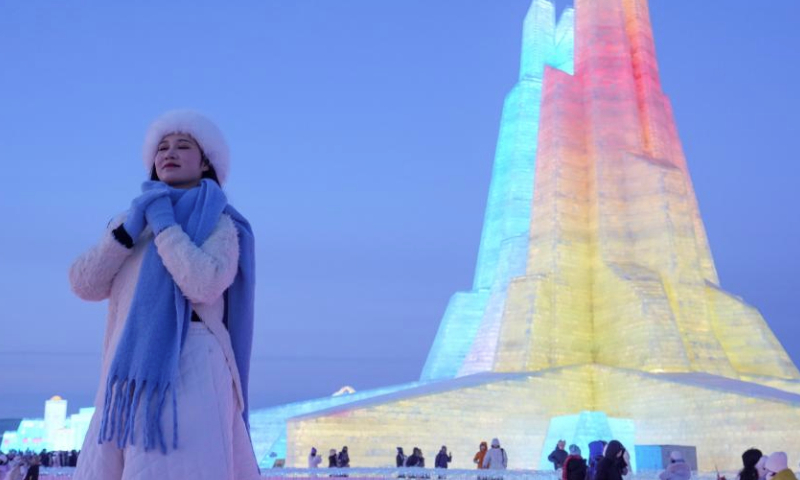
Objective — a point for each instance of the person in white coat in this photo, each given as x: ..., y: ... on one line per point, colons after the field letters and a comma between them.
x: 15, y: 469
x: 496, y: 458
x: 313, y: 459
x: 677, y: 469
x: 177, y: 272
x: 761, y: 467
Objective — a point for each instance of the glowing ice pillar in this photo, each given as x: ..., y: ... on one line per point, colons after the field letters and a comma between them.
x: 504, y: 242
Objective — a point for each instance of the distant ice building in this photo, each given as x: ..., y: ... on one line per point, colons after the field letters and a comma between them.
x: 56, y: 431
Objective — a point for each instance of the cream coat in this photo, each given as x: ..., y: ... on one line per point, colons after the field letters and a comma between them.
x: 110, y: 271
x: 203, y: 273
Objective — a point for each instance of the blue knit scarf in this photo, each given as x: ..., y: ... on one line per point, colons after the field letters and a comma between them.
x: 145, y: 365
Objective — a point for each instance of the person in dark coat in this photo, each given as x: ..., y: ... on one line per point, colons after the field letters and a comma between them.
x: 44, y: 458
x: 613, y: 465
x: 443, y: 458
x: 33, y: 468
x: 332, y: 458
x: 558, y: 455
x: 574, y: 465
x: 400, y: 459
x: 415, y: 460
x: 344, y: 458
x: 596, y: 449
x: 750, y: 459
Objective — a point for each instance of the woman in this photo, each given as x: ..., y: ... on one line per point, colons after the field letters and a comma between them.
x: 750, y: 459
x: 415, y: 460
x: 178, y: 272
x: 612, y: 466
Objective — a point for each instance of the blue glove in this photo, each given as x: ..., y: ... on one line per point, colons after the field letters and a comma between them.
x: 160, y: 214
x: 135, y: 221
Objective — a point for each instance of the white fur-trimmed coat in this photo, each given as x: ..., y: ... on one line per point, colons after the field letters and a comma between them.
x: 110, y: 271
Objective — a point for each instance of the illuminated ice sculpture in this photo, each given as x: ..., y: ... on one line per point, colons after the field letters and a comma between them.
x: 595, y: 294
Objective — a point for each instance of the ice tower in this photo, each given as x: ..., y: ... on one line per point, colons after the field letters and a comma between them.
x: 595, y: 300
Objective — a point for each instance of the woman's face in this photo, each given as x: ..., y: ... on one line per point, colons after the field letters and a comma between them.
x: 179, y: 161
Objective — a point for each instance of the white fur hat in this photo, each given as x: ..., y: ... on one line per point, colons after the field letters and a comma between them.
x: 203, y: 130
x: 495, y: 443
x: 777, y: 462
x: 676, y: 455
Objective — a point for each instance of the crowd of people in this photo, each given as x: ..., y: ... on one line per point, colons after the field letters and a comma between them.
x: 25, y: 465
x: 336, y: 459
x: 494, y: 458
x: 611, y: 461
x: 606, y: 461
x: 758, y: 466
x: 417, y: 459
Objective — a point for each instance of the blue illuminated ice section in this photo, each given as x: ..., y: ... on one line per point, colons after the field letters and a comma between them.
x: 504, y: 241
x: 584, y: 428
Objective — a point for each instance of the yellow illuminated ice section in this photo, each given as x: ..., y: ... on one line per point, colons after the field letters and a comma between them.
x: 619, y: 271
x: 722, y: 417
x: 600, y: 296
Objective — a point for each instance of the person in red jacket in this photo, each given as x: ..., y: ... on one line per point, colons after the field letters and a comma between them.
x: 478, y: 458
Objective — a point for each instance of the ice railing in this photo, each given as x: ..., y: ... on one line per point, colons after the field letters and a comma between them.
x: 448, y: 474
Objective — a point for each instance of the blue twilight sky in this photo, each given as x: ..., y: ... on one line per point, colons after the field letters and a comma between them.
x: 362, y: 136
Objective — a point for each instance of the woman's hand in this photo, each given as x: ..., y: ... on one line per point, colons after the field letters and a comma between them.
x: 135, y: 221
x: 160, y: 214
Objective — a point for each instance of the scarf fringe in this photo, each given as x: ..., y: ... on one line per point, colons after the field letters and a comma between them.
x: 144, y: 340
x: 122, y: 400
